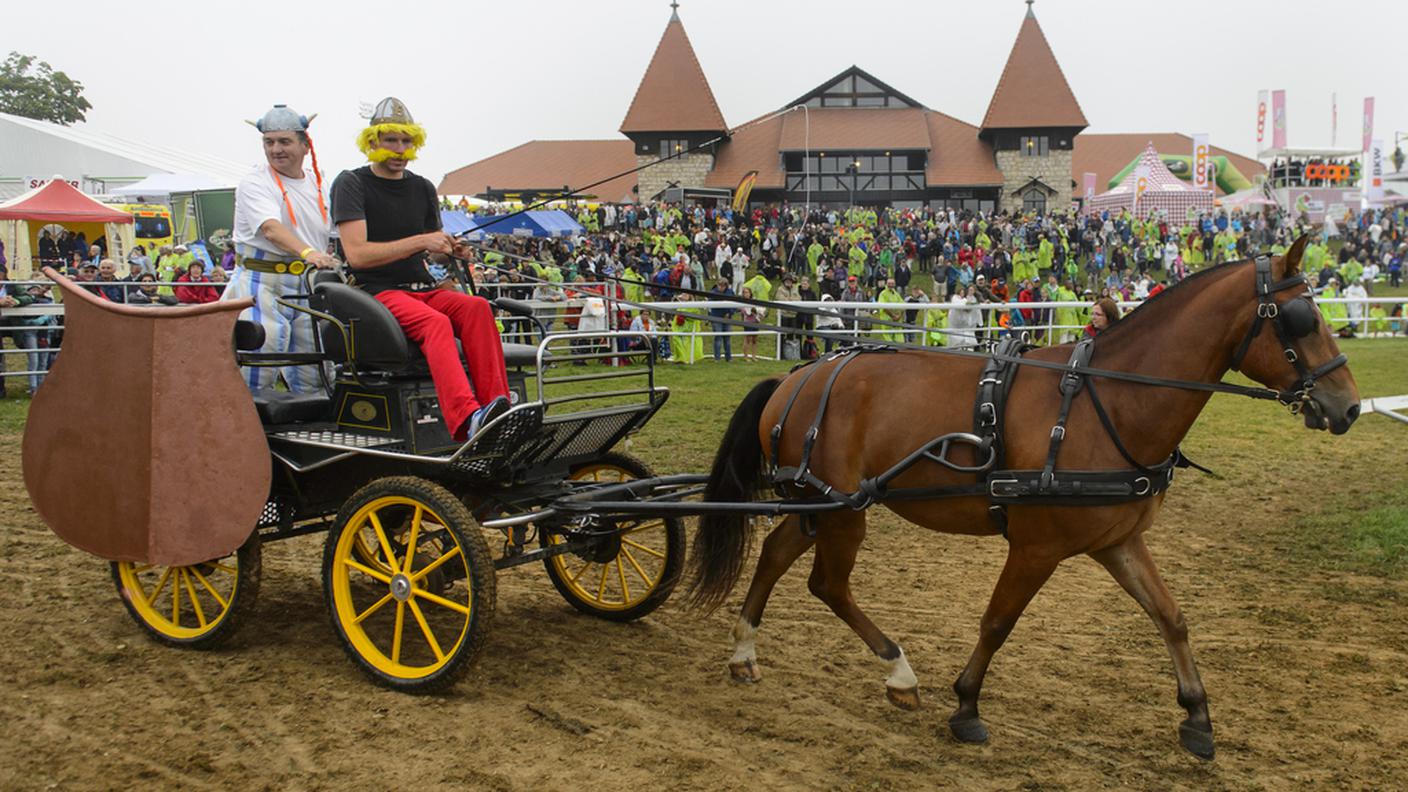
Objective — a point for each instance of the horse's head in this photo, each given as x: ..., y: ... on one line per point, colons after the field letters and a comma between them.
x: 1288, y: 347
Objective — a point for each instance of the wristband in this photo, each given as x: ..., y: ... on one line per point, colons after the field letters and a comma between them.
x: 303, y: 254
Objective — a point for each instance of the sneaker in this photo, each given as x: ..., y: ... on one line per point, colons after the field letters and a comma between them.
x: 485, y: 415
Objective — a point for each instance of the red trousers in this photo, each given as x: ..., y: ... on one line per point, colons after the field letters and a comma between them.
x: 433, y: 320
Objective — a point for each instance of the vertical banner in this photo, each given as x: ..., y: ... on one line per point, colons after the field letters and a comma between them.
x: 1374, y: 172
x: 1368, y: 122
x: 1141, y: 183
x: 1334, y: 119
x: 1089, y: 186
x: 744, y: 189
x: 1278, y: 119
x: 1201, y: 156
x: 1261, y: 99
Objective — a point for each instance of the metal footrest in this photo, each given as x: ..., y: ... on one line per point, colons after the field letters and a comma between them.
x: 328, y: 438
x: 496, y: 444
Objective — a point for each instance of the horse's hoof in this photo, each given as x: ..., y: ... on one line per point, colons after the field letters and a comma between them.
x: 1198, y: 742
x: 970, y: 730
x: 746, y: 671
x: 905, y: 698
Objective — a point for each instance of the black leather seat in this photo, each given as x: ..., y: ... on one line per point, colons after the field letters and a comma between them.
x: 282, y: 407
x: 377, y: 339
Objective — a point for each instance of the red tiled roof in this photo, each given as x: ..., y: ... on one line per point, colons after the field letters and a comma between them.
x: 674, y: 94
x: 1032, y: 91
x: 754, y: 146
x: 873, y: 128
x: 957, y: 155
x: 548, y: 165
x: 1107, y: 154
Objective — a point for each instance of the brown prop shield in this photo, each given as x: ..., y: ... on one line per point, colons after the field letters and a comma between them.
x: 143, y: 443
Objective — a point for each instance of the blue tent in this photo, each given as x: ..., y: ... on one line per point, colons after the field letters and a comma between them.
x: 546, y: 223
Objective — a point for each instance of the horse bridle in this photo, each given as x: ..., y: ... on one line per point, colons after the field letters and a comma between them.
x: 1291, y: 321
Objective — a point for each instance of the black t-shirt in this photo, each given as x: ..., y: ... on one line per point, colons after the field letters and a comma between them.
x: 393, y: 209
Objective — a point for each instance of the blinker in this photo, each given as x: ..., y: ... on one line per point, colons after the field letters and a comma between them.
x: 1297, y: 317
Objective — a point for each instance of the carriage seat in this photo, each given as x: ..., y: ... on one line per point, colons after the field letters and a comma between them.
x: 284, y: 407
x: 378, y: 341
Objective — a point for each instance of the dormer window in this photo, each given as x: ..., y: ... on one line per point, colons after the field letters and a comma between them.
x: 1034, y: 145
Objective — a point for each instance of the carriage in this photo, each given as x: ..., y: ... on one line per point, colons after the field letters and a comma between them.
x: 408, y: 571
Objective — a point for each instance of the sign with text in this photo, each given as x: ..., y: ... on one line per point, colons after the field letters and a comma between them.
x: 1201, y: 155
x: 1261, y: 101
x: 1374, y: 172
x: 35, y: 182
x: 1278, y: 119
x: 1089, y: 185
x: 1368, y: 122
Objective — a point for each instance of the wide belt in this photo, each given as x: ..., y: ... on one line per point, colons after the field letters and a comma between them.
x: 295, y: 267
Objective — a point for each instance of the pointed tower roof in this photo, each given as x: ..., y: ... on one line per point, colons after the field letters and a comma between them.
x: 674, y: 95
x: 1032, y: 91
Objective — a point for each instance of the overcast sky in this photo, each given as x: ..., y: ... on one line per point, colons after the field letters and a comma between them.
x: 483, y: 77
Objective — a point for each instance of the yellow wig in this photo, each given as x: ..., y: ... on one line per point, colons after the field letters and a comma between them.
x: 367, y: 140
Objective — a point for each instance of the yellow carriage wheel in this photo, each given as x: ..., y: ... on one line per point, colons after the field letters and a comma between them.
x: 624, y: 577
x: 414, y: 611
x: 196, y: 607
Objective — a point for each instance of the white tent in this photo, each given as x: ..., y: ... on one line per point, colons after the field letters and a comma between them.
x: 160, y: 185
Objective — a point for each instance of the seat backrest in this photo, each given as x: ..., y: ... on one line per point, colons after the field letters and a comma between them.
x: 377, y: 338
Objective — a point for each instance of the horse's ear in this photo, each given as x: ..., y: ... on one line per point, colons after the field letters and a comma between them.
x: 1293, y: 256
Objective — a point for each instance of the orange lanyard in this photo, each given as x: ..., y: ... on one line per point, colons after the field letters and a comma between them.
x: 292, y: 220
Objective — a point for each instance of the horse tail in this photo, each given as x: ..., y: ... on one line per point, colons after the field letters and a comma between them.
x: 724, y: 539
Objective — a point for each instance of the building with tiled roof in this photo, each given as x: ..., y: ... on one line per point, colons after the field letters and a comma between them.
x: 851, y: 139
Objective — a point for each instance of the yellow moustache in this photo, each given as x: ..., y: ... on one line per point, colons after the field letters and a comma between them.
x: 382, y: 155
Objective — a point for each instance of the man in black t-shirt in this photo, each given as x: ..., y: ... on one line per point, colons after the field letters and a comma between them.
x: 389, y: 220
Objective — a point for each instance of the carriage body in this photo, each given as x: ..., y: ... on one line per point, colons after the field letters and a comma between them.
x: 408, y: 571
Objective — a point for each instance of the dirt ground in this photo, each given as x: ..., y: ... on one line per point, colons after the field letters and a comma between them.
x: 1304, y: 664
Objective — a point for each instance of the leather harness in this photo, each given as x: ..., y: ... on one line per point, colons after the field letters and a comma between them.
x: 1048, y: 485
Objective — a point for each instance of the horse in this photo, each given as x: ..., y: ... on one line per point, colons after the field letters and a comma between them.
x: 882, y: 405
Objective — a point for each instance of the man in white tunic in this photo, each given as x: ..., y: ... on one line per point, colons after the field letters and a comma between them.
x: 281, y: 230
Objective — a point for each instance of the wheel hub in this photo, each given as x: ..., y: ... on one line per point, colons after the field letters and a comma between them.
x: 401, y: 587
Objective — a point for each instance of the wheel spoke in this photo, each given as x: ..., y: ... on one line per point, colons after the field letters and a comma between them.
x: 411, y: 542
x: 223, y: 567
x: 381, y: 537
x: 396, y: 636
x: 650, y: 526
x: 139, y: 568
x: 425, y: 630
x: 176, y: 598
x: 441, y: 601
x: 601, y: 587
x: 584, y: 568
x: 433, y: 565
x: 621, y: 572
x: 206, y: 583
x: 643, y: 548
x: 368, y: 571
x: 161, y: 584
x: 649, y: 584
x: 376, y: 606
x: 195, y: 601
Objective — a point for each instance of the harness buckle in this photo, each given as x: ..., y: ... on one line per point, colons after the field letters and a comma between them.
x: 1291, y: 356
x: 1268, y: 310
x: 988, y: 410
x: 1058, y: 432
x: 993, y: 485
x: 1147, y: 486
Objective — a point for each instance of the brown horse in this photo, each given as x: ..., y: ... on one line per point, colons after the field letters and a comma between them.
x: 885, y: 405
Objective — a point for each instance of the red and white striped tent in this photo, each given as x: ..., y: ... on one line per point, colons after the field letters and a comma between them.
x: 1162, y: 191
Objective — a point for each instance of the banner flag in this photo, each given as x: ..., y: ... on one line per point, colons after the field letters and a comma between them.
x: 1141, y: 183
x: 1202, y: 179
x: 1368, y: 121
x: 1261, y: 98
x: 1089, y: 186
x: 745, y: 187
x: 1334, y: 119
x: 1374, y: 172
x: 1278, y: 119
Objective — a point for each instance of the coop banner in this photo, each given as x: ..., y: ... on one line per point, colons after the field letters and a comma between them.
x: 1201, y: 154
x: 1278, y: 119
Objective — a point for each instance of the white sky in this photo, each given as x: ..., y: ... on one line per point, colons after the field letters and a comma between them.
x: 483, y: 77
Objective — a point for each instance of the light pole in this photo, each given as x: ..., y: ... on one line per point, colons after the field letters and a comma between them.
x: 854, y: 170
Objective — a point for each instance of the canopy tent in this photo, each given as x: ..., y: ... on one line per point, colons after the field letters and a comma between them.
x: 539, y: 223
x: 1225, y: 174
x: 1162, y: 191
x: 58, y: 203
x: 160, y: 185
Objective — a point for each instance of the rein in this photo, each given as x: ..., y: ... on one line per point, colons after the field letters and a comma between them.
x: 1291, y: 398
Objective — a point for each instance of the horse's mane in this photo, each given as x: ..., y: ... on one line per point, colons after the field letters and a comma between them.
x: 1153, y: 305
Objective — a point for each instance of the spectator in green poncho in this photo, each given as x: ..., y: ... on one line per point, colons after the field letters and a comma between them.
x: 1067, y: 318
x: 1045, y: 254
x: 855, y: 261
x: 890, y: 294
x: 1336, y: 314
x: 937, y: 322
x: 687, y: 348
